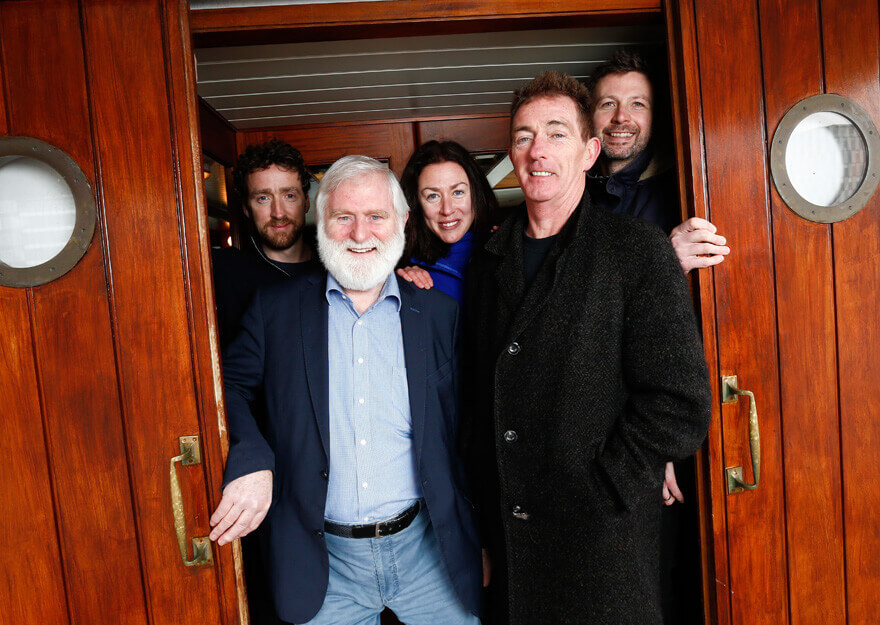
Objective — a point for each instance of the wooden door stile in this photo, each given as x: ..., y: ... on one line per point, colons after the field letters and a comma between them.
x: 690, y: 160
x: 851, y: 46
x: 792, y: 70
x: 196, y: 250
x: 736, y: 175
x: 129, y: 93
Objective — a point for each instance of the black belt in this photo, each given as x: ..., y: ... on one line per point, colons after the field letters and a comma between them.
x: 375, y: 530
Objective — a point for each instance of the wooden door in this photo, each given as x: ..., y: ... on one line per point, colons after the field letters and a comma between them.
x: 104, y: 368
x: 792, y: 312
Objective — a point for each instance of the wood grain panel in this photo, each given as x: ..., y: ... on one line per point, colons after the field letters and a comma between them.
x: 323, y: 144
x: 32, y: 581
x: 691, y: 166
x: 180, y: 70
x: 130, y: 98
x: 217, y: 135
x: 792, y: 63
x: 71, y: 322
x: 729, y: 53
x: 384, y: 12
x: 851, y: 43
x: 477, y: 134
x: 4, y: 129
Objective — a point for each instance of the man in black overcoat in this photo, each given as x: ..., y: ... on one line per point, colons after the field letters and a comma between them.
x: 588, y: 376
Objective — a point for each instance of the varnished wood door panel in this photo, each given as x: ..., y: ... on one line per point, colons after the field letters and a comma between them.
x: 113, y: 361
x: 796, y: 304
x: 804, y: 267
x: 70, y: 328
x: 128, y: 89
x: 744, y: 304
x: 30, y: 551
x: 851, y: 46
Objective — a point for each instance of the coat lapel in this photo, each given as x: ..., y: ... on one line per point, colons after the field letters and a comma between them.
x: 412, y: 325
x: 524, y: 304
x: 313, y: 325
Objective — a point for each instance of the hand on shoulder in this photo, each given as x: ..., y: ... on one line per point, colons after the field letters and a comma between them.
x: 418, y: 276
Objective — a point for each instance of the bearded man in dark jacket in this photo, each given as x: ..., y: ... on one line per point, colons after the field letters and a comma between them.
x: 588, y: 377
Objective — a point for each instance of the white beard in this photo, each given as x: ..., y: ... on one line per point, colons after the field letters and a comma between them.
x: 356, y: 273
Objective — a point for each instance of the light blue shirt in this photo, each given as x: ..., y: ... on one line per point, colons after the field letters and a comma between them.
x: 373, y: 473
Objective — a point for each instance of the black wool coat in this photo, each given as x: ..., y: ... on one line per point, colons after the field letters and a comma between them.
x: 581, y: 388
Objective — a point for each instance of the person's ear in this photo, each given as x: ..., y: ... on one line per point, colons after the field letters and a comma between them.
x: 594, y: 148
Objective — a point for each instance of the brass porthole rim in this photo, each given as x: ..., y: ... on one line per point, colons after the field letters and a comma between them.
x: 84, y: 202
x: 831, y: 103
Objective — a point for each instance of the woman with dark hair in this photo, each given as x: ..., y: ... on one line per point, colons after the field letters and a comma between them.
x: 452, y: 208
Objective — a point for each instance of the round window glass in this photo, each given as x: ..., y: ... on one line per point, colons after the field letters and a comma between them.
x: 47, y: 212
x: 826, y: 158
x: 37, y: 212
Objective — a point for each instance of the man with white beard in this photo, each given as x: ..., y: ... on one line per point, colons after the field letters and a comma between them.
x: 356, y: 480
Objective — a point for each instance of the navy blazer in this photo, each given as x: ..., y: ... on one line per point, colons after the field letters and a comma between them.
x: 279, y: 361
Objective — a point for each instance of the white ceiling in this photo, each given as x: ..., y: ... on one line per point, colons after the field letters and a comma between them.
x: 317, y: 82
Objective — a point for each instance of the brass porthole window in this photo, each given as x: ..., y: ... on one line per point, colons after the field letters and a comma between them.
x: 47, y: 212
x: 825, y: 158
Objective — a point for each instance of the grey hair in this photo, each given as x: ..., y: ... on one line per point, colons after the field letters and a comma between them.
x: 349, y: 167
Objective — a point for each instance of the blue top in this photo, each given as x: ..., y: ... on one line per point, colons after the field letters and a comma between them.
x: 373, y: 473
x: 450, y: 271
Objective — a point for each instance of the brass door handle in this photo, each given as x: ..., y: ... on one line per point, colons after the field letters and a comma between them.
x: 190, y: 453
x: 730, y: 393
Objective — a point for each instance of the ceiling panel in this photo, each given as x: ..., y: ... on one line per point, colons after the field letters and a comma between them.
x: 290, y: 84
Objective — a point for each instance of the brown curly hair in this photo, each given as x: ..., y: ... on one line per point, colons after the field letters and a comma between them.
x: 263, y: 155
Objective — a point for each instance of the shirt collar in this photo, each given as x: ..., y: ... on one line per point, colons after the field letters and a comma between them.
x: 389, y: 290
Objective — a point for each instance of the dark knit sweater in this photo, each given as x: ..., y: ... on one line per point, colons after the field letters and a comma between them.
x: 583, y: 386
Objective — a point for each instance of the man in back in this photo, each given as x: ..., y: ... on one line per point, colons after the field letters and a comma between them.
x: 631, y: 176
x: 273, y: 183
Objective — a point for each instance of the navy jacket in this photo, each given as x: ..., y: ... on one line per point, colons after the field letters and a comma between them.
x: 281, y: 355
x: 646, y: 188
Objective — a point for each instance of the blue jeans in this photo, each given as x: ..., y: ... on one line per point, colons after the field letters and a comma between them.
x: 404, y: 572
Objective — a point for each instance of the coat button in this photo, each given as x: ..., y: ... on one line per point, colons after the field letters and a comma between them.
x: 324, y: 474
x: 510, y: 436
x: 319, y: 533
x: 513, y: 349
x: 519, y: 513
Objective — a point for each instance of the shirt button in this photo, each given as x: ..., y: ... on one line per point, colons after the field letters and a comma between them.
x: 510, y: 436
x: 513, y: 349
x: 364, y: 484
x: 360, y: 323
x: 360, y: 361
x: 363, y: 441
x: 361, y: 400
